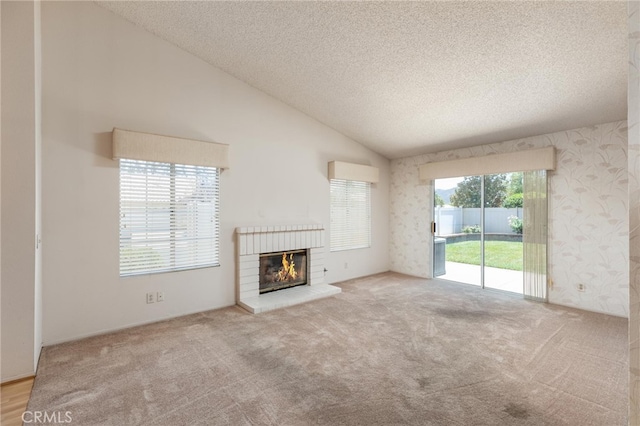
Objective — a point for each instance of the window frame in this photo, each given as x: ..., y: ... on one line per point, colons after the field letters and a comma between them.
x: 346, y: 215
x: 187, y: 198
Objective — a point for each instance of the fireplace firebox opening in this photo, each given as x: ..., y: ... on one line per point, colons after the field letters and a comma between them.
x: 282, y: 270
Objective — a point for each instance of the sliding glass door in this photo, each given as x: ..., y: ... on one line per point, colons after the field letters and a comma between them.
x: 458, y: 229
x: 477, y: 231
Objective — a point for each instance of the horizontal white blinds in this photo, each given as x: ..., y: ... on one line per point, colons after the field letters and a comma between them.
x: 169, y: 217
x: 350, y: 214
x: 519, y: 161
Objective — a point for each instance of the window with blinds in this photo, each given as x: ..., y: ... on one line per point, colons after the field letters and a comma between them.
x: 350, y: 214
x: 169, y: 217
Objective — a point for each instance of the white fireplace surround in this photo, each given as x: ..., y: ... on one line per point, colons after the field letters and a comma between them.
x: 255, y: 240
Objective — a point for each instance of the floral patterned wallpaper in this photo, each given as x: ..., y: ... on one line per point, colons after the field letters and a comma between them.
x: 634, y: 212
x: 588, y: 214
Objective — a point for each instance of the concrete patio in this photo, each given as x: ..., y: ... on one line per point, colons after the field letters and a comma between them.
x: 494, y: 278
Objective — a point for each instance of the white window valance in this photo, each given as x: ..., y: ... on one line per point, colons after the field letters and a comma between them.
x: 168, y: 149
x: 521, y: 161
x: 354, y: 172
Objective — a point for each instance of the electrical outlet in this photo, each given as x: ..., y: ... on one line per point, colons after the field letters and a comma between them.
x: 160, y: 297
x: 150, y: 298
x: 582, y: 287
x: 346, y: 265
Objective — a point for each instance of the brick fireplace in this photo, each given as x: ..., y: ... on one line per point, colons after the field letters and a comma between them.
x: 252, y: 242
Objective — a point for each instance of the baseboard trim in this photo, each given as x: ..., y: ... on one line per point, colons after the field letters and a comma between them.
x: 595, y: 311
x: 130, y: 325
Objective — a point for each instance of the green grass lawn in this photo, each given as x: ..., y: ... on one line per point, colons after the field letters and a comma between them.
x: 498, y: 254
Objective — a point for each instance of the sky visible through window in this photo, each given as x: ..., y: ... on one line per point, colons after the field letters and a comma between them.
x: 448, y: 183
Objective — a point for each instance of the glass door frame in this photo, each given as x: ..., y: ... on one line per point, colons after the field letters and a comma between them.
x: 435, y: 234
x: 434, y: 226
x: 482, y: 231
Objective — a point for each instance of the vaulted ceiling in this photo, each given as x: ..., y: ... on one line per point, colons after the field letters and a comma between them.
x: 414, y: 77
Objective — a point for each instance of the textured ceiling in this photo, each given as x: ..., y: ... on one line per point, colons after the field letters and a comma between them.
x: 414, y: 77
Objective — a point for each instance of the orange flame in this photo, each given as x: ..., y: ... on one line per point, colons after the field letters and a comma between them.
x: 288, y: 270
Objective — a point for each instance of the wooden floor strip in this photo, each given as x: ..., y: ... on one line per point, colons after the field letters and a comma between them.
x: 14, y: 397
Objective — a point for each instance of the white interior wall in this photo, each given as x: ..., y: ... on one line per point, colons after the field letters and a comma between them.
x: 21, y: 290
x: 634, y: 211
x: 588, y: 225
x: 37, y: 320
x: 1, y: 377
x: 100, y: 71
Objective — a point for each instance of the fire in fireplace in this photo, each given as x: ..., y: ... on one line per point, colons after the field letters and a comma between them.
x: 282, y: 270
